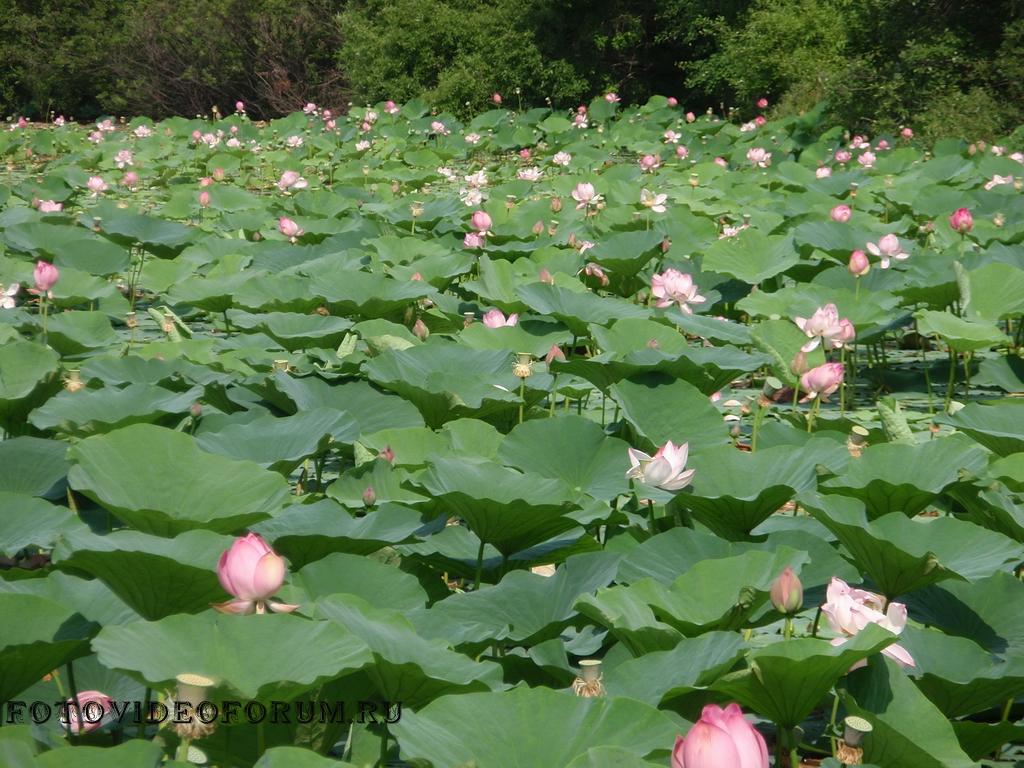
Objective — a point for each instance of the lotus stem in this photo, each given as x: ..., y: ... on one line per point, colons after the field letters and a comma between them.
x: 261, y: 745
x: 812, y: 414
x: 952, y: 379
x: 814, y: 624
x: 842, y: 384
x: 967, y: 375
x: 384, y: 747
x: 787, y: 629
x: 45, y: 310
x: 145, y: 712
x: 73, y: 690
x: 522, y: 398
x: 182, y: 753
x: 479, y: 566
x: 554, y: 392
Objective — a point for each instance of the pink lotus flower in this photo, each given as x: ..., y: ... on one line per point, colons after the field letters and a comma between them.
x: 849, y: 610
x: 722, y: 738
x: 130, y: 180
x: 239, y: 106
x: 555, y: 353
x: 690, y: 117
x: 673, y: 101
x: 496, y: 99
x: 310, y: 108
x: 673, y: 286
x: 962, y: 221
x: 823, y: 172
x: 206, y: 181
x: 472, y: 240
x: 495, y: 318
x: 481, y: 222
x: 289, y: 228
x: 888, y: 248
x: 906, y: 133
x: 7, y: 295
x: 204, y: 199
x: 585, y: 195
x: 841, y: 213
x: 682, y: 152
x: 123, y: 157
x: 525, y: 154
x: 291, y: 180
x: 612, y: 98
x: 655, y: 202
x: 90, y: 714
x: 671, y: 137
x: 391, y: 108
x: 997, y: 181
x: 665, y: 470
x: 562, y: 158
x: 823, y: 325
x: 439, y: 128
x: 859, y: 264
x: 866, y: 159
x: 762, y: 103
x: 760, y: 120
x: 472, y: 138
x: 252, y: 572
x: 45, y: 276
x: 649, y: 162
x: 843, y: 156
x: 96, y: 185
x: 48, y: 206
x: 722, y: 162
x: 533, y: 173
x: 759, y: 157
x: 822, y: 381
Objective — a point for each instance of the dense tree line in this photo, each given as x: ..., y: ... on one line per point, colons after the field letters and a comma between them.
x: 944, y: 66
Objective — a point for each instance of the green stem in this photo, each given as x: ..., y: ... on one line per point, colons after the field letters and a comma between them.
x: 952, y: 379
x: 650, y: 517
x: 842, y: 384
x: 73, y: 690
x: 758, y: 418
x: 182, y: 753
x: 145, y: 712
x: 383, y: 747
x: 814, y: 626
x: 261, y: 745
x: 813, y: 413
x: 787, y: 630
x: 522, y: 398
x: 967, y: 375
x: 479, y: 567
x: 554, y: 391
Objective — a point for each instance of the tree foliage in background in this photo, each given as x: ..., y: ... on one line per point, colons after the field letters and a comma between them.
x: 945, y: 67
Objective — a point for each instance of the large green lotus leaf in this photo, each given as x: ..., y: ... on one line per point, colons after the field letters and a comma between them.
x: 160, y: 236
x: 896, y: 477
x: 995, y: 508
x: 907, y: 728
x: 710, y: 327
x: 660, y: 677
x: 962, y: 335
x: 136, y: 753
x: 1009, y: 469
x: 90, y: 597
x: 160, y: 482
x: 751, y: 256
x: 496, y: 283
x: 74, y: 247
x: 835, y: 238
x: 214, y: 293
x: 447, y: 732
x: 381, y: 585
x: 786, y: 680
x: 578, y: 308
x: 372, y: 409
x: 996, y: 291
x: 39, y: 635
x: 407, y: 667
x: 531, y: 336
x: 958, y: 676
x: 27, y: 378
x: 508, y: 509
x: 294, y: 331
x: 981, y: 739
x: 625, y: 253
x: 735, y: 491
x: 281, y: 443
x: 296, y: 757
x: 661, y: 409
x: 999, y: 427
x: 73, y: 332
x: 717, y: 594
x: 388, y: 483
x: 521, y: 606
x: 34, y: 466
x: 989, y: 611
x: 446, y: 381
x: 139, y: 568
x: 266, y: 293
x: 609, y: 757
x: 572, y: 449
x: 349, y: 292
x: 632, y: 334
x: 30, y: 522
x: 782, y: 340
x: 92, y: 411
x: 864, y: 309
x: 254, y: 655
x: 305, y: 533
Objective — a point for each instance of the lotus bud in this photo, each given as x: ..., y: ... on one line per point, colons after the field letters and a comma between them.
x: 420, y: 329
x: 538, y: 228
x: 588, y: 684
x: 387, y: 454
x: 859, y: 264
x: 545, y: 276
x: 799, y: 365
x: 204, y: 199
x: 195, y: 410
x: 787, y: 593
x: 252, y: 572
x: 45, y: 276
x: 369, y: 496
x: 218, y: 174
x: 555, y: 353
x: 481, y: 222
x: 665, y: 244
x: 961, y: 221
x: 193, y: 691
x: 556, y: 204
x: 416, y: 276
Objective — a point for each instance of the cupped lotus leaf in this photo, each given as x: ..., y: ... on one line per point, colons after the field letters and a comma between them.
x: 996, y: 291
x: 253, y: 655
x: 136, y: 753
x: 837, y: 239
x: 508, y: 509
x: 381, y: 585
x: 786, y: 680
x: 154, y: 576
x: 496, y: 283
x: 34, y: 466
x: 751, y: 256
x: 160, y: 236
x: 305, y: 533
x: 27, y: 377
x: 958, y: 676
x: 407, y: 667
x: 661, y: 677
x: 902, y: 554
x: 266, y: 293
x: 39, y: 636
x: 388, y: 483
x: 75, y: 332
x: 711, y: 327
x: 92, y: 411
x: 30, y: 522
x: 537, y: 338
x: 577, y: 308
x: 446, y: 381
x: 662, y: 409
x: 74, y: 247
x: 962, y: 335
x: 999, y: 427
x: 213, y: 293
x: 521, y: 606
x: 293, y: 330
x: 735, y: 491
x: 572, y: 449
x: 626, y: 253
x: 447, y: 731
x: 896, y: 477
x: 365, y: 294
x: 907, y: 729
x: 160, y: 482
x: 281, y: 443
x: 988, y: 611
